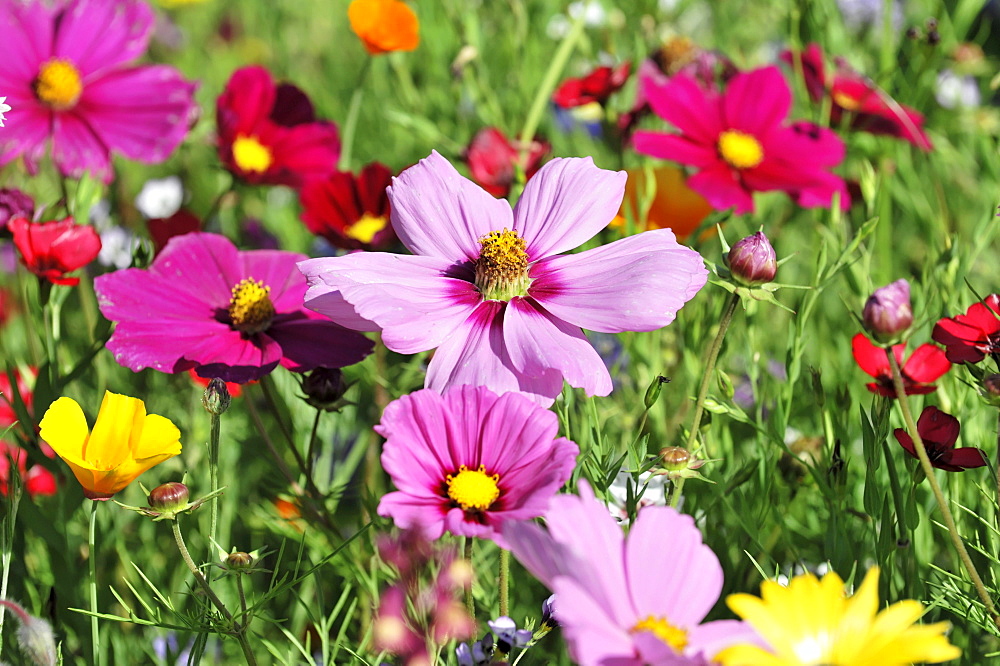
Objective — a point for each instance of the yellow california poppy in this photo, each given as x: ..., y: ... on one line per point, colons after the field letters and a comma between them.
x: 384, y: 25
x: 812, y: 622
x: 125, y: 442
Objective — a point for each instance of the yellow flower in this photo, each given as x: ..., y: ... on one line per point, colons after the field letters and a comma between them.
x: 125, y: 442
x: 813, y: 623
x: 384, y: 25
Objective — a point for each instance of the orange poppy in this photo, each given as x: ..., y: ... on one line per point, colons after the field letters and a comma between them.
x: 674, y: 205
x: 384, y: 25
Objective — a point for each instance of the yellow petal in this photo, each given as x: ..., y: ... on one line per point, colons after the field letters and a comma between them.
x: 160, y: 437
x: 64, y: 428
x: 118, y: 422
x: 750, y: 655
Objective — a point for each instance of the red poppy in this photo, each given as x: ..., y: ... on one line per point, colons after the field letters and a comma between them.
x: 37, y: 480
x: 855, y: 96
x: 926, y: 364
x: 970, y: 337
x: 594, y: 87
x: 162, y: 229
x: 52, y: 249
x: 939, y: 432
x: 269, y: 135
x: 7, y: 413
x: 350, y: 211
x: 492, y: 159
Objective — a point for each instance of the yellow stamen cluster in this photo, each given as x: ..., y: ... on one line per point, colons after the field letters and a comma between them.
x: 250, y: 308
x: 502, y: 266
x: 473, y: 490
x: 673, y: 636
x: 845, y: 101
x: 251, y: 155
x: 58, y: 84
x: 740, y: 150
x: 366, y: 228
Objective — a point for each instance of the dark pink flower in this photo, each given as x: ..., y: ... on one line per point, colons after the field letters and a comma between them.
x: 926, y: 365
x: 970, y: 337
x: 65, y: 69
x: 939, y: 431
x: 233, y: 315
x: 740, y: 142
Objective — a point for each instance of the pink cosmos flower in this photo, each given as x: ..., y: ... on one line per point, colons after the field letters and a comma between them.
x: 628, y: 602
x: 470, y: 461
x: 234, y: 315
x: 740, y: 143
x: 65, y: 68
x: 488, y: 287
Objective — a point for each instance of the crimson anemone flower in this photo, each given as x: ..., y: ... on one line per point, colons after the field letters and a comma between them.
x: 597, y: 86
x: 65, y: 70
x: 52, y: 249
x: 269, y: 135
x: 740, y: 143
x: 926, y: 364
x: 351, y: 212
x: 492, y: 158
x: 469, y: 461
x: 856, y: 97
x: 234, y: 315
x: 939, y: 432
x: 970, y: 337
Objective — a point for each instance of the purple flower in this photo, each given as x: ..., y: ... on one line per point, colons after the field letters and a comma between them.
x: 14, y: 203
x: 887, y: 312
x: 234, y: 315
x: 489, y: 288
x: 630, y: 601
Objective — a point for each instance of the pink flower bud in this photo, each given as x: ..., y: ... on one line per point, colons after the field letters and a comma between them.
x: 887, y: 312
x: 752, y: 260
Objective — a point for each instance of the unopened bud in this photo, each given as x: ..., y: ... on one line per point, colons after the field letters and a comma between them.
x: 216, y: 398
x: 887, y: 312
x: 653, y: 392
x: 752, y: 260
x: 675, y: 458
x: 324, y: 387
x: 239, y: 560
x: 34, y: 636
x: 171, y: 496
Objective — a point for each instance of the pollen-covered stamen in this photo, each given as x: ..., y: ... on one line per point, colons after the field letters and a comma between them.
x: 250, y: 308
x: 58, y: 84
x: 846, y: 101
x: 673, y: 636
x: 251, y: 155
x: 502, y: 266
x: 473, y: 490
x: 366, y: 228
x: 740, y: 150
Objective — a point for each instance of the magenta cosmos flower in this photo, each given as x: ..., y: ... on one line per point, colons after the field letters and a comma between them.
x: 739, y: 141
x: 469, y: 461
x: 234, y: 315
x: 628, y: 602
x: 489, y: 288
x: 65, y: 70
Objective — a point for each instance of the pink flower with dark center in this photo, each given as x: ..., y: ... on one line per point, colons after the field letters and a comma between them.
x: 939, y: 431
x: 970, y: 337
x: 469, y: 461
x: 489, y: 288
x: 627, y: 601
x: 925, y: 366
x: 65, y: 68
x: 740, y: 142
x: 234, y: 315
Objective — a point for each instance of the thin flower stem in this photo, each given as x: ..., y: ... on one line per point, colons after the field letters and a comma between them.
x: 243, y: 596
x: 504, y: 581
x: 95, y: 636
x: 351, y: 123
x: 925, y: 464
x: 311, y: 456
x: 470, y: 605
x: 217, y: 203
x: 213, y: 472
x: 998, y: 467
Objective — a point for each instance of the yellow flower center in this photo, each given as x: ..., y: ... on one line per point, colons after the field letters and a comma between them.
x: 251, y: 155
x: 58, y: 84
x: 502, y: 266
x: 366, y: 228
x: 673, y: 636
x: 250, y: 308
x: 473, y: 490
x: 740, y: 150
x: 845, y: 101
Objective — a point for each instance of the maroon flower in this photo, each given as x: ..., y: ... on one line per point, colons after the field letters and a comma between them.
x: 52, y: 249
x: 162, y: 229
x: 939, y: 432
x: 926, y: 364
x: 855, y: 96
x: 597, y: 86
x: 352, y: 212
x: 970, y: 337
x: 491, y: 157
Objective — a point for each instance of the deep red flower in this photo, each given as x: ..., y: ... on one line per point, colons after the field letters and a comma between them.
x: 23, y: 381
x: 52, y: 249
x: 926, y: 364
x: 162, y: 229
x: 350, y: 211
x: 970, y: 337
x: 939, y: 432
x: 492, y: 157
x: 856, y: 97
x: 37, y: 480
x: 597, y: 86
x: 269, y: 135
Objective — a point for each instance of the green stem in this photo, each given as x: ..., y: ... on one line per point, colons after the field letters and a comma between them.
x: 351, y: 122
x: 504, y: 581
x: 243, y: 596
x: 925, y: 463
x: 95, y: 637
x: 217, y: 203
x: 311, y: 455
x: 470, y: 605
x: 213, y: 471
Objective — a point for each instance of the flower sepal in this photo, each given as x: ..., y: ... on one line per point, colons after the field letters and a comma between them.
x: 168, y: 512
x: 239, y: 563
x: 675, y: 462
x: 722, y: 276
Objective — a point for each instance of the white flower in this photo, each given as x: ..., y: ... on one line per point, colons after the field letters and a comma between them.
x: 4, y: 108
x: 117, y: 246
x: 953, y: 91
x: 618, y: 490
x: 160, y: 197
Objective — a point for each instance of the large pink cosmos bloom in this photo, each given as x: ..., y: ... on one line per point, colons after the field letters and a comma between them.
x: 234, y: 315
x: 488, y: 287
x: 469, y: 461
x: 65, y: 69
x: 739, y: 141
x: 628, y: 602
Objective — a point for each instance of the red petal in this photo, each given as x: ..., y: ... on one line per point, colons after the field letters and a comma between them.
x: 871, y: 359
x: 967, y: 458
x: 938, y: 427
x: 926, y: 364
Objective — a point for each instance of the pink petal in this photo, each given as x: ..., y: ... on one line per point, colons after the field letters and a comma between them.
x: 540, y: 554
x: 330, y: 303
x: 26, y: 132
x: 98, y: 34
x: 77, y: 149
x: 566, y: 204
x: 633, y: 284
x: 409, y: 512
x: 711, y: 638
x: 439, y: 213
x: 201, y: 263
x: 687, y: 106
x: 27, y: 37
x: 755, y: 102
x: 277, y: 269
x: 675, y: 147
x: 593, y: 636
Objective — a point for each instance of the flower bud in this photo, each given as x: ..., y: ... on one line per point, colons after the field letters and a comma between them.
x: 239, y: 560
x: 171, y: 496
x: 653, y: 392
x: 752, y: 260
x: 675, y: 458
x: 216, y: 398
x: 14, y: 203
x: 34, y: 636
x: 887, y: 312
x: 324, y: 387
